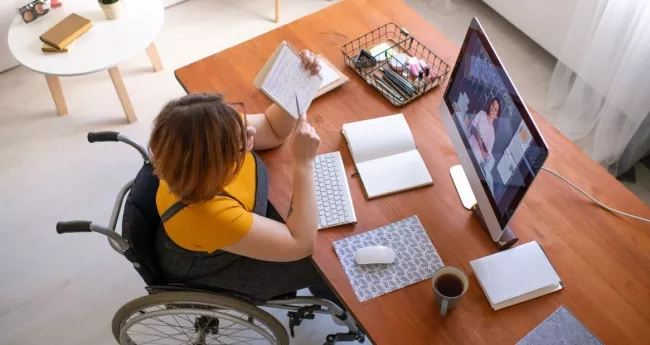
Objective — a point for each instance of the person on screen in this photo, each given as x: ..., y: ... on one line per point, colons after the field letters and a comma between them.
x: 481, y: 130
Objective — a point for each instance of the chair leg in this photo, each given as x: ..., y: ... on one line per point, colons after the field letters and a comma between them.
x: 277, y: 11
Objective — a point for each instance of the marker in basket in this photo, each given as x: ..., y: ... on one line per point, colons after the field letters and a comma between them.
x: 429, y: 75
x: 419, y: 83
x: 414, y: 66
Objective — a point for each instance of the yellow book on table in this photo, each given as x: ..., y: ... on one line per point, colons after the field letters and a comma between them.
x: 49, y: 49
x: 66, y: 31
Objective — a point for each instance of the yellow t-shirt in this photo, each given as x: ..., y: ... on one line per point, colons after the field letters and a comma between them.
x: 217, y: 223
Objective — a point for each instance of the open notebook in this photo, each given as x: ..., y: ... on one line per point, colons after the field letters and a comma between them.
x: 516, y: 275
x: 283, y: 78
x: 384, y: 152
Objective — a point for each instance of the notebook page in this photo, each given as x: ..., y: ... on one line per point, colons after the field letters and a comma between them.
x: 328, y: 74
x: 289, y: 78
x: 379, y: 137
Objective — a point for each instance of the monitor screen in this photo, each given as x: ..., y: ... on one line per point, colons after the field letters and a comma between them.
x: 503, y: 143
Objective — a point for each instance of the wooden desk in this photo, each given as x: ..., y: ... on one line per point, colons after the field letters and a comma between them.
x: 603, y: 259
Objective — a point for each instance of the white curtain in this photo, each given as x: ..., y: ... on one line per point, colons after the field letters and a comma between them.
x: 600, y: 87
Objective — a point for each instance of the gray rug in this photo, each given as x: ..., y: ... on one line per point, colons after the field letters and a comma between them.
x: 560, y: 328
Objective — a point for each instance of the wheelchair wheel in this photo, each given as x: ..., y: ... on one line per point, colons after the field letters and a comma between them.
x: 194, y: 318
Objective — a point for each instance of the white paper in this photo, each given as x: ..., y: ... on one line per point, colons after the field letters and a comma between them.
x: 379, y: 137
x: 328, y: 74
x: 393, y: 173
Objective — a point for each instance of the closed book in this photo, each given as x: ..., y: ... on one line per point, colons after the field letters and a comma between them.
x: 516, y: 275
x: 49, y: 49
x: 66, y: 31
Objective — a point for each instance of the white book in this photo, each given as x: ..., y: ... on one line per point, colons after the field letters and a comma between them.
x: 284, y: 78
x: 384, y: 152
x: 516, y: 275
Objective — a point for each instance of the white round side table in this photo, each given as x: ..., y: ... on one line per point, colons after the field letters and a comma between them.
x: 103, y: 47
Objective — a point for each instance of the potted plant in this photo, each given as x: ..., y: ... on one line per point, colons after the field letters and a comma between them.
x: 112, y: 8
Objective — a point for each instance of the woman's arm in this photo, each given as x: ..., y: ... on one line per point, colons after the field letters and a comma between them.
x: 269, y: 240
x: 272, y: 127
x: 275, y: 125
x: 273, y: 241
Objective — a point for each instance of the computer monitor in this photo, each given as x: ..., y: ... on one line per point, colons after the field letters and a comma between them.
x: 499, y: 146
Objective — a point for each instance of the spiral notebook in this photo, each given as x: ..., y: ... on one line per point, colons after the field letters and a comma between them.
x: 283, y: 79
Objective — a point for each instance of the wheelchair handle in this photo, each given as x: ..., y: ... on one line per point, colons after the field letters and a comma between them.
x: 102, y: 136
x: 115, y: 136
x: 73, y: 226
x: 116, y: 241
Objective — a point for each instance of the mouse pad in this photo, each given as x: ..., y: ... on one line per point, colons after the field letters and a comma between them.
x: 415, y: 258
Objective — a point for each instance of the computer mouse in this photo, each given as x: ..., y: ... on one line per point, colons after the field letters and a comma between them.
x: 374, y: 255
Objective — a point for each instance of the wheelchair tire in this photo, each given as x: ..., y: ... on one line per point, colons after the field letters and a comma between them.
x: 206, y: 306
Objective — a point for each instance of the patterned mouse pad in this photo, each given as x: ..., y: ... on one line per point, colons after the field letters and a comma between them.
x: 415, y: 258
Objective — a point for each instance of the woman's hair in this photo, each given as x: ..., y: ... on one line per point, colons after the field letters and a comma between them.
x: 197, y: 146
x: 495, y: 99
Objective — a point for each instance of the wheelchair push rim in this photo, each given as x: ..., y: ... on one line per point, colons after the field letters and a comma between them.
x: 189, y: 318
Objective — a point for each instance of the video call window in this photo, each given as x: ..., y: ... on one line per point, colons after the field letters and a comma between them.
x: 499, y: 142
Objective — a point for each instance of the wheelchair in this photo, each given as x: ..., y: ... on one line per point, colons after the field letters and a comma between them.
x: 176, y: 313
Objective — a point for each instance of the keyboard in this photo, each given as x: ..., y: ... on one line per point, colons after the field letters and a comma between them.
x: 332, y: 191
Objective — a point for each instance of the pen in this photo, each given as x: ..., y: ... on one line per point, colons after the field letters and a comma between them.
x: 399, y: 81
x: 298, y: 105
x: 388, y: 90
x: 299, y: 114
x: 395, y: 86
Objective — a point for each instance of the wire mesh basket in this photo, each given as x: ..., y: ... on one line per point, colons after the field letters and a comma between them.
x: 395, y: 64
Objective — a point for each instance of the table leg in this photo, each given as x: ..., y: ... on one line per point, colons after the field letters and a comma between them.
x: 54, y: 83
x: 152, y: 52
x: 277, y: 11
x: 116, y: 77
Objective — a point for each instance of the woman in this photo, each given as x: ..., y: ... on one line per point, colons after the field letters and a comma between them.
x: 218, y: 228
x: 481, y: 130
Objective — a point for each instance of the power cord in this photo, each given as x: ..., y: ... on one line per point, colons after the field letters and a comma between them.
x: 613, y: 210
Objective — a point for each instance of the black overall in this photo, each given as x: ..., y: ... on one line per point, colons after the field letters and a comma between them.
x: 224, y: 270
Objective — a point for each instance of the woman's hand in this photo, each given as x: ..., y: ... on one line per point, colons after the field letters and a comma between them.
x: 306, y: 142
x: 310, y: 61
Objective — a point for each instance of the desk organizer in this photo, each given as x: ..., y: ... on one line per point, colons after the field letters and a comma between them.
x: 395, y: 40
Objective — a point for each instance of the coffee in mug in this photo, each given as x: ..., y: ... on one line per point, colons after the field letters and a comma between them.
x: 449, y: 285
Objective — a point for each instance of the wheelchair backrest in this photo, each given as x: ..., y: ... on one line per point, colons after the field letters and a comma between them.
x: 140, y: 222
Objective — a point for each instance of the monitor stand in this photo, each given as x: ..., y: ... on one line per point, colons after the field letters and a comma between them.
x: 508, y: 238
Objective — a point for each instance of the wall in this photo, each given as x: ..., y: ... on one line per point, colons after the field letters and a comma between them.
x: 545, y: 21
x: 7, y: 15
